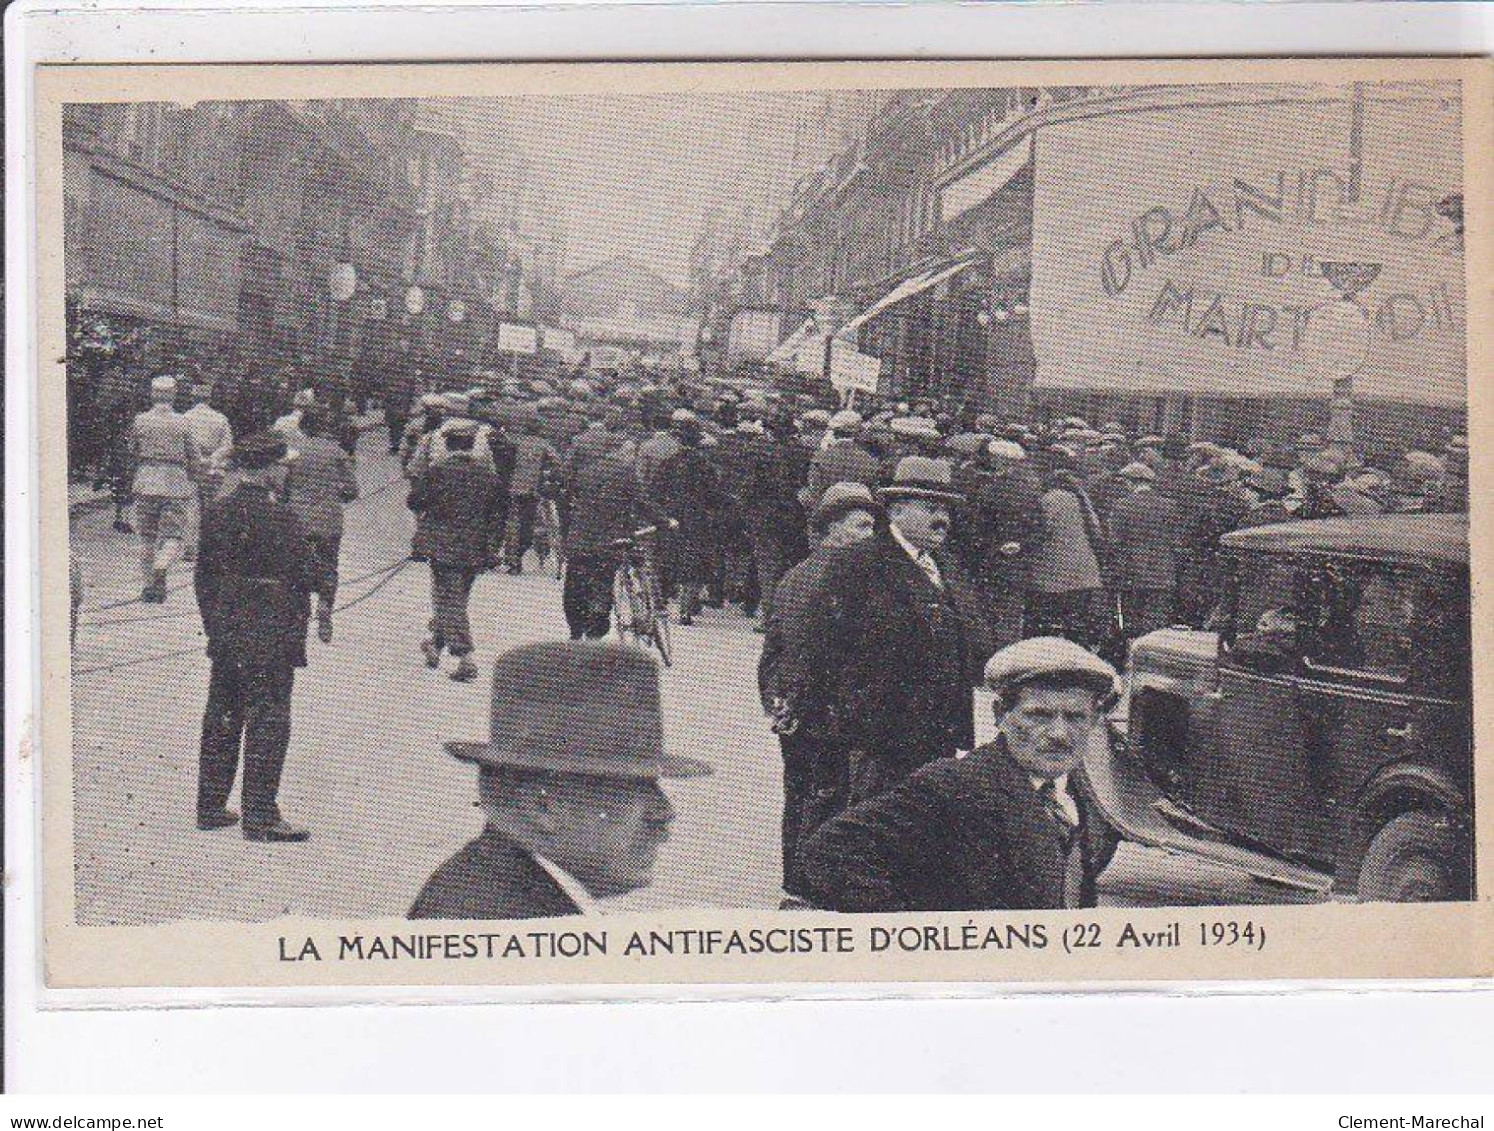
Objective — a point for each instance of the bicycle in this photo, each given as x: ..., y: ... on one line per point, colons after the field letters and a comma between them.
x: 640, y: 610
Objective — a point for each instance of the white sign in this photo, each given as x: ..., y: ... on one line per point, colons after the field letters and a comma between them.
x: 1223, y: 249
x: 850, y: 369
x: 561, y: 341
x: 518, y: 339
x: 456, y: 310
x: 415, y: 300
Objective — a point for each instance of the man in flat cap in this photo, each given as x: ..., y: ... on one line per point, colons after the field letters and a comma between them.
x: 1013, y: 825
x: 893, y: 640
x: 814, y: 773
x: 256, y: 572
x: 167, y: 466
x: 568, y: 784
x: 1143, y: 533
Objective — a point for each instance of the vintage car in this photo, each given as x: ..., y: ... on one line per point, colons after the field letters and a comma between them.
x: 1320, y: 736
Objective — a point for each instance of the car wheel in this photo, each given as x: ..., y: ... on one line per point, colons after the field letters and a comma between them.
x: 1414, y: 858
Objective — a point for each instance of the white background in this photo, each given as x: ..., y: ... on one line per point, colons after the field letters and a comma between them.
x: 1257, y: 1041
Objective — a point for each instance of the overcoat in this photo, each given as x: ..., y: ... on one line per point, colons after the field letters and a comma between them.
x: 491, y: 877
x: 967, y: 834
x: 1144, y: 533
x: 318, y: 483
x: 688, y: 486
x: 254, y: 578
x: 462, y: 503
x: 890, y: 660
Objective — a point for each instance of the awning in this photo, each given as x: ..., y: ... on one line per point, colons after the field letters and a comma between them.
x: 909, y: 287
x: 785, y: 351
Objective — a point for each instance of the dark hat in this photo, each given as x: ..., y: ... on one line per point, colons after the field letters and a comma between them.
x: 259, y: 450
x: 576, y: 708
x: 839, y: 500
x: 921, y: 477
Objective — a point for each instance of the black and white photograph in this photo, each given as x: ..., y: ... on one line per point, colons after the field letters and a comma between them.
x: 798, y: 506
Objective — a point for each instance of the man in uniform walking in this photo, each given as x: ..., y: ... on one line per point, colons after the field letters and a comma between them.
x: 256, y: 572
x: 166, y: 470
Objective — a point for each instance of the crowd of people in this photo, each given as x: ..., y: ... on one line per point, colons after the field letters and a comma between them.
x: 894, y: 558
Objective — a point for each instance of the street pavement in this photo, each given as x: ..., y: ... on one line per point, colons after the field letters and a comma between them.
x: 366, y: 771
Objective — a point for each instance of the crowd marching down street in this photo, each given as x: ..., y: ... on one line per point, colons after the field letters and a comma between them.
x: 894, y: 556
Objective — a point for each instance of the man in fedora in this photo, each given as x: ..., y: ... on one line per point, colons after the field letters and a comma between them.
x: 813, y: 776
x: 1013, y: 825
x: 256, y: 572
x: 892, y: 640
x: 568, y: 784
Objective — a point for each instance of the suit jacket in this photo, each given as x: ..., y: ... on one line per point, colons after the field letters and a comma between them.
x: 889, y: 660
x: 491, y: 877
x: 1144, y: 532
x: 607, y: 503
x: 254, y: 577
x: 967, y: 834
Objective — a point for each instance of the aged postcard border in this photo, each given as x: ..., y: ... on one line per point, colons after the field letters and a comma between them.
x: 1330, y: 941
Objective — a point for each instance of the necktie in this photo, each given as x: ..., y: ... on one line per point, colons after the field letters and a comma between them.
x: 1048, y: 792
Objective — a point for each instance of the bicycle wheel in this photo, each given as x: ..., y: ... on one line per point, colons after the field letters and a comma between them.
x: 659, y: 619
x: 622, y: 606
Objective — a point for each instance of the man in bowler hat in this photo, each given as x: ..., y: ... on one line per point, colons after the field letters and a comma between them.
x: 1012, y: 825
x: 256, y: 572
x: 568, y: 784
x: 893, y: 639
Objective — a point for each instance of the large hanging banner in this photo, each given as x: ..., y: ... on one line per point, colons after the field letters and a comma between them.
x: 1254, y: 242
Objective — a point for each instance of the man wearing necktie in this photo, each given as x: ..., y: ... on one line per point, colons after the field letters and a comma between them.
x: 1013, y: 825
x: 892, y: 641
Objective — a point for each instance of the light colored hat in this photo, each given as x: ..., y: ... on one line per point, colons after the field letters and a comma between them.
x: 432, y: 400
x: 816, y: 417
x: 914, y: 427
x: 1139, y: 472
x: 1457, y: 446
x: 921, y: 477
x: 683, y: 416
x: 304, y: 398
x: 841, y: 499
x: 160, y: 386
x: 572, y: 708
x: 1050, y: 657
x: 846, y: 420
x: 1007, y: 449
x: 1152, y: 441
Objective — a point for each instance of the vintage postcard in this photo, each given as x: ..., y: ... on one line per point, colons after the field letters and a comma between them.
x: 783, y: 523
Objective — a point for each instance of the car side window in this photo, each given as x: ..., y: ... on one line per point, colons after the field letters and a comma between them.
x: 1362, y: 618
x: 1267, y: 612
x: 1441, y: 638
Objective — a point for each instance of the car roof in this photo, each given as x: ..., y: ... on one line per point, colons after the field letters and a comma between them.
x: 1397, y: 537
